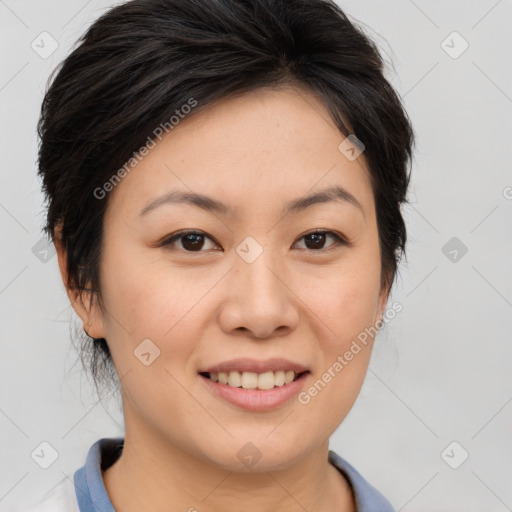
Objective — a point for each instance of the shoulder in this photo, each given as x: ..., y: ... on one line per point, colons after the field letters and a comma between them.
x: 61, y: 498
x: 368, y: 499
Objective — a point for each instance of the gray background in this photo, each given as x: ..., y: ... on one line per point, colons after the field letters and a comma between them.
x: 441, y: 370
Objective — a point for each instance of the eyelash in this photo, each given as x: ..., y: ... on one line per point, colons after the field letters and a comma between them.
x: 339, y: 240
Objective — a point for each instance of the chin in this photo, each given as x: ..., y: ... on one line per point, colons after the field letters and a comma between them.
x: 245, y: 456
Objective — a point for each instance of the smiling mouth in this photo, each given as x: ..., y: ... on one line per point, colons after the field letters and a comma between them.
x: 253, y: 380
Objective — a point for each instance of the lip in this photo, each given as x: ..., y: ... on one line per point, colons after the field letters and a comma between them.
x: 254, y: 365
x: 256, y: 400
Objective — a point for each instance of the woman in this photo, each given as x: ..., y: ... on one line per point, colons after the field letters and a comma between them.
x: 224, y: 182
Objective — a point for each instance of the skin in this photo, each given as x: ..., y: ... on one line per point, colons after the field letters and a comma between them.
x: 297, y: 300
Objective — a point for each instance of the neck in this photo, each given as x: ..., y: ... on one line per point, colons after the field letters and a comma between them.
x: 170, y: 475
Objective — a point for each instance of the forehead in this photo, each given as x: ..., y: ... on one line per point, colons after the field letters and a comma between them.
x: 252, y: 150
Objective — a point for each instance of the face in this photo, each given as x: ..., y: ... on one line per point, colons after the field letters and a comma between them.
x: 252, y: 282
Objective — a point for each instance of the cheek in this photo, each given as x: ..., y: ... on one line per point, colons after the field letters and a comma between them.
x: 350, y: 319
x: 346, y: 330
x: 346, y: 305
x: 141, y: 292
x: 147, y: 299
x: 345, y: 300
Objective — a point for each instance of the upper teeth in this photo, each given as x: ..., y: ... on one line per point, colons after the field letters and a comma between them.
x: 253, y: 380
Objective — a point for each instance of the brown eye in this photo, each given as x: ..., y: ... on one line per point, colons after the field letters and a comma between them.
x: 316, y: 240
x: 190, y: 241
x: 195, y: 241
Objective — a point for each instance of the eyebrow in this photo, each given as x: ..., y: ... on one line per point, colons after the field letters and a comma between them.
x: 335, y: 193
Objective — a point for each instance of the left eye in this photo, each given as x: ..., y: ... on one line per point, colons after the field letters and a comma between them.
x: 318, y: 238
x: 194, y: 241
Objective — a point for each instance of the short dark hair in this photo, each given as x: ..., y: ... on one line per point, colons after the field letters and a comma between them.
x: 144, y: 59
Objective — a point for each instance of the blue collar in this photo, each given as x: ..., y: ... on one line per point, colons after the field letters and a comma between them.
x: 89, y: 488
x: 92, y: 495
x: 368, y: 499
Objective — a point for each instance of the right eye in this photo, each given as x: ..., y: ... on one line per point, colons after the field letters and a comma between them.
x: 190, y: 240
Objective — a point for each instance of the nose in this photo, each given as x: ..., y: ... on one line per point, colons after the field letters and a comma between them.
x: 258, y: 301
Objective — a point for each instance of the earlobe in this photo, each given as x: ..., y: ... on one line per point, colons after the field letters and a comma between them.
x: 92, y: 325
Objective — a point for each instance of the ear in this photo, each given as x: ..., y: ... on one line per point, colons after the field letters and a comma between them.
x: 85, y: 306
